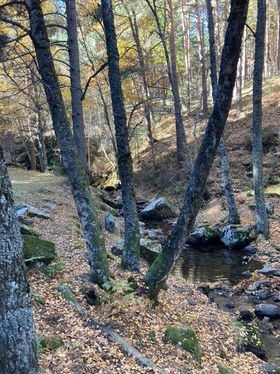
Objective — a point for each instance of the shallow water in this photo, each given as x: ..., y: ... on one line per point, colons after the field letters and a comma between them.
x: 215, y: 264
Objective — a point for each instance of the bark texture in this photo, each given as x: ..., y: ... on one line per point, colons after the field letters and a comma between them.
x: 261, y: 215
x: 164, y: 263
x: 227, y: 184
x: 132, y: 232
x: 97, y: 256
x: 75, y: 78
x: 18, y: 352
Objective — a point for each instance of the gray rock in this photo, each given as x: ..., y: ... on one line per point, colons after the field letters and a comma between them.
x: 262, y: 294
x: 246, y: 315
x: 267, y: 310
x: 246, y: 273
x: 158, y: 210
x: 269, y: 208
x: 235, y: 236
x: 110, y: 223
x: 117, y: 248
x: 268, y: 270
x: 21, y: 212
x: 270, y: 368
x: 149, y: 249
x: 40, y: 213
x: 252, y: 287
x: 250, y: 250
x: 153, y: 234
x: 205, y: 235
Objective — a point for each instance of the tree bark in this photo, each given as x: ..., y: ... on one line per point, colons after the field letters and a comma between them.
x: 165, y: 262
x: 18, y: 353
x: 278, y: 37
x: 75, y: 79
x: 201, y: 49
x: 97, y: 256
x: 42, y: 149
x: 132, y: 233
x: 233, y: 216
x: 261, y: 215
x: 186, y: 45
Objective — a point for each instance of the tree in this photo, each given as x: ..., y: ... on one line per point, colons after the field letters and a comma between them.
x: 132, y: 232
x: 18, y: 353
x: 97, y: 256
x: 183, y: 153
x: 227, y: 185
x: 164, y: 263
x: 75, y: 78
x: 261, y: 214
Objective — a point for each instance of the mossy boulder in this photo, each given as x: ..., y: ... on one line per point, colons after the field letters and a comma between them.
x: 49, y: 343
x: 186, y: 338
x: 249, y: 339
x: 149, y: 249
x: 36, y: 249
x: 26, y: 230
x: 205, y: 235
x: 236, y: 236
x: 158, y: 210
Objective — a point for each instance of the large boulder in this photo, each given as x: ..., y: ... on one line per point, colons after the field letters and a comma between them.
x: 149, y: 249
x: 186, y: 338
x: 36, y: 249
x: 235, y: 236
x: 110, y: 223
x: 158, y: 210
x: 205, y: 235
x: 267, y: 310
x: 249, y: 339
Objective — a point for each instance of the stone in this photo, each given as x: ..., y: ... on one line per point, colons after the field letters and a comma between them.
x: 110, y: 223
x: 268, y: 270
x: 250, y: 250
x: 249, y: 339
x: 246, y: 315
x: 204, y: 235
x: 40, y: 213
x: 117, y: 248
x: 49, y: 343
x: 21, y: 212
x: 158, y: 210
x: 153, y: 234
x: 269, y: 208
x: 270, y: 368
x: 267, y: 310
x: 149, y: 249
x: 36, y: 249
x: 246, y: 273
x: 186, y: 338
x: 262, y: 294
x: 235, y: 236
x: 252, y: 288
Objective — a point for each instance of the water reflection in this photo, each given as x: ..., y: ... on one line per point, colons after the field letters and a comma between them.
x: 215, y: 264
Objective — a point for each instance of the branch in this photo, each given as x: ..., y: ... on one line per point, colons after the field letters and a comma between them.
x: 250, y: 28
x: 14, y: 23
x: 102, y: 67
x: 11, y: 3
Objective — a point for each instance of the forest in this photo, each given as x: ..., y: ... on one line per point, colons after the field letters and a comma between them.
x: 140, y: 186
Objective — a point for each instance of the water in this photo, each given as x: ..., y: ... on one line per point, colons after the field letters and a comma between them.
x: 215, y: 264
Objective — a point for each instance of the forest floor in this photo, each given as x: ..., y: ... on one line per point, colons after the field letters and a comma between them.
x: 85, y: 349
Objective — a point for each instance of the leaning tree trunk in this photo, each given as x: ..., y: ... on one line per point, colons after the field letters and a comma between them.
x: 233, y: 216
x: 97, y: 256
x: 132, y: 232
x: 75, y: 78
x: 164, y: 263
x: 261, y: 215
x: 18, y: 348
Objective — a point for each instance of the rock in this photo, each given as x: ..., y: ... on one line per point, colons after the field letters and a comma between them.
x: 153, y: 234
x: 149, y: 249
x: 40, y: 213
x: 38, y: 250
x: 204, y: 288
x: 204, y: 235
x: 186, y: 338
x: 235, y: 236
x: 158, y: 210
x: 250, y: 250
x: 90, y: 291
x: 249, y: 339
x: 246, y: 273
x: 262, y: 294
x: 268, y: 270
x: 246, y: 315
x: 113, y: 183
x: 252, y: 288
x: 49, y: 343
x: 269, y: 208
x: 230, y: 305
x: 110, y: 223
x: 270, y: 368
x: 21, y: 211
x: 117, y: 248
x: 267, y: 310
x: 26, y: 230
x: 49, y: 205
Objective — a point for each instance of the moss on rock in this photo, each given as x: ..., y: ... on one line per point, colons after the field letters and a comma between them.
x: 186, y: 338
x: 38, y: 250
x: 249, y: 339
x: 49, y: 343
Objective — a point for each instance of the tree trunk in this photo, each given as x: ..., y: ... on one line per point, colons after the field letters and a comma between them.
x: 75, y: 78
x: 165, y: 262
x: 88, y: 216
x: 278, y: 37
x: 227, y: 184
x: 186, y: 45
x: 18, y: 353
x: 201, y: 49
x: 132, y: 232
x: 261, y: 215
x: 42, y: 149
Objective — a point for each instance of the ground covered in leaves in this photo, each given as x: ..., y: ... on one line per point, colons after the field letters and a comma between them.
x: 85, y: 349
